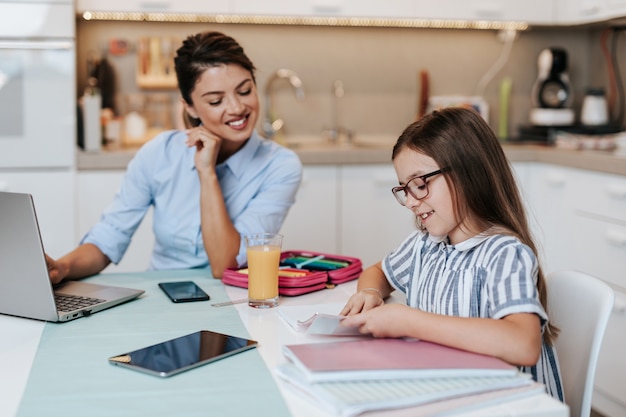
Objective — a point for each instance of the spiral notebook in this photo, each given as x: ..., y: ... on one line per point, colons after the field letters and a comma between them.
x: 427, y: 396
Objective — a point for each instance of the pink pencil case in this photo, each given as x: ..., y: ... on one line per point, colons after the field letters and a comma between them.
x: 303, y: 272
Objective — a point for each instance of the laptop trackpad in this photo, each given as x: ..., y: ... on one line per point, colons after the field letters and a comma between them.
x: 84, y: 289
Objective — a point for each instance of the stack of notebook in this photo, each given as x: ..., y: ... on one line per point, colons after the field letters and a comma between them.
x: 351, y: 377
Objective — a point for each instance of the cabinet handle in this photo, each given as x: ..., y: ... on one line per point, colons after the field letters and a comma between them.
x: 615, y: 238
x: 616, y: 191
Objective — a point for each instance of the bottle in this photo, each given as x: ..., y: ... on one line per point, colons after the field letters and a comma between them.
x: 92, y: 126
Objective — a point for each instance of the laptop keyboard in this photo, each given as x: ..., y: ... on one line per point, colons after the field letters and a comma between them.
x: 67, y: 302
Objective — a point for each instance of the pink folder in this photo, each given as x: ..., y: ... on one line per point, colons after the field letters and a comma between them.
x: 390, y: 359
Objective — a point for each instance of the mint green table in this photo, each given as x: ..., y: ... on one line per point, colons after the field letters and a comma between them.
x: 71, y: 376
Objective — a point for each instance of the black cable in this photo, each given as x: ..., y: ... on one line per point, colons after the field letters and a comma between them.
x: 619, y: 120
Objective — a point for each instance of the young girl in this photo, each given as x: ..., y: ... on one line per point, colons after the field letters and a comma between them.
x: 207, y: 185
x: 470, y: 272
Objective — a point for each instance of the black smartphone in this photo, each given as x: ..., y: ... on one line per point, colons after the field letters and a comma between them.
x: 183, y: 291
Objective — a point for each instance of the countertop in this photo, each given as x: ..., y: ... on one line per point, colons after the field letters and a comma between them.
x: 601, y: 161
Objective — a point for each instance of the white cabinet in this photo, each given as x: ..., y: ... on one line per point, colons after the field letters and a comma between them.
x: 587, y: 11
x: 580, y: 11
x: 551, y: 217
x: 615, y: 8
x: 534, y: 11
x: 372, y: 223
x: 581, y: 219
x: 96, y: 190
x: 338, y: 8
x: 347, y: 210
x: 53, y: 195
x: 154, y: 6
x: 311, y: 223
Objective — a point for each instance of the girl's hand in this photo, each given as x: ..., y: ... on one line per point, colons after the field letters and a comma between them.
x: 207, y: 147
x: 361, y: 301
x: 389, y: 320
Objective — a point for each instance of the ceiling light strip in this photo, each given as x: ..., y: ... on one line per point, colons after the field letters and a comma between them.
x: 303, y: 20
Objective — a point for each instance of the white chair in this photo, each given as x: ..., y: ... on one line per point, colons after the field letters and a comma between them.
x: 580, y: 306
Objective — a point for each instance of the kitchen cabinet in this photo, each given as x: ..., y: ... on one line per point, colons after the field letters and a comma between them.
x: 338, y: 8
x: 533, y: 11
x: 600, y: 249
x: 588, y: 11
x: 311, y: 223
x: 153, y: 6
x: 616, y: 8
x: 372, y: 223
x: 53, y: 195
x: 580, y: 11
x: 95, y: 190
x: 581, y: 219
x: 347, y: 210
x: 550, y: 191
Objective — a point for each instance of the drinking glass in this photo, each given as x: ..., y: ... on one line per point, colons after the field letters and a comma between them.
x: 263, y: 260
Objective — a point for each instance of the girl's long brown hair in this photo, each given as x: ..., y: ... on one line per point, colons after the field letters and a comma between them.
x: 478, y: 173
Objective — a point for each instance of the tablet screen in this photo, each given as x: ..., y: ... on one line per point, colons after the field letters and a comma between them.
x: 183, y: 353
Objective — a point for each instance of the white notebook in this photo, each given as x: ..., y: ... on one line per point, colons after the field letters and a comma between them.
x: 433, y: 395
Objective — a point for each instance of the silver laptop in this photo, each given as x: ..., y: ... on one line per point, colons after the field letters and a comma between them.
x: 25, y: 287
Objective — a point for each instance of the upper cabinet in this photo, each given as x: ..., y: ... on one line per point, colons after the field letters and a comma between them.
x: 537, y: 12
x: 574, y: 12
x: 154, y: 6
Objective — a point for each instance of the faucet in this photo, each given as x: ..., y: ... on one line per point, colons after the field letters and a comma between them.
x: 272, y: 124
x: 336, y: 131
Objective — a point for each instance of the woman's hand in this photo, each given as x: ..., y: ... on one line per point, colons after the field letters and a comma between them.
x: 56, y: 270
x: 207, y: 147
x: 389, y: 320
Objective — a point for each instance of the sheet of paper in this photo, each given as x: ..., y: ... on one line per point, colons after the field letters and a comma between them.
x: 317, y: 319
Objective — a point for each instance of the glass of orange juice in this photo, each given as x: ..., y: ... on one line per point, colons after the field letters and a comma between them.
x: 263, y: 260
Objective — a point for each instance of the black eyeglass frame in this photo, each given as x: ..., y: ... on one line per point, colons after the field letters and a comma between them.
x: 405, y: 188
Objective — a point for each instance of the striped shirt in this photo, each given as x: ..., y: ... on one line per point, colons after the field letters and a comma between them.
x: 484, y: 276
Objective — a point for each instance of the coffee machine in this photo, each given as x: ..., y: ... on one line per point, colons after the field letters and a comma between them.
x: 551, y: 94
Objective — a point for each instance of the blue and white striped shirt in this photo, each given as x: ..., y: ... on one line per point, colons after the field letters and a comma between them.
x: 489, y: 276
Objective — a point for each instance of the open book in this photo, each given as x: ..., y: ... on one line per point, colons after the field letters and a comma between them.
x: 426, y: 396
x: 317, y: 319
x: 375, y: 359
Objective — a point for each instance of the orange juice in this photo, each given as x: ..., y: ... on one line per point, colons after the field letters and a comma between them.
x: 263, y: 261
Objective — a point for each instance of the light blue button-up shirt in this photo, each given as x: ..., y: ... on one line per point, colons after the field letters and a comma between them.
x: 259, y: 184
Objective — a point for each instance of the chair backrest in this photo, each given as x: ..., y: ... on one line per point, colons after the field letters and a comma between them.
x: 580, y: 306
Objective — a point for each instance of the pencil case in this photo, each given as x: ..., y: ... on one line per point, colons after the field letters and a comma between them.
x: 302, y: 272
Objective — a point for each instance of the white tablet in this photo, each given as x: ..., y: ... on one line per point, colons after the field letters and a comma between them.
x: 183, y: 353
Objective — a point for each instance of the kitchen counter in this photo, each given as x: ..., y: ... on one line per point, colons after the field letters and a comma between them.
x: 601, y: 161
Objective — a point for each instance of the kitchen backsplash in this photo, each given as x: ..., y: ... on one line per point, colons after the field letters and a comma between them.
x: 379, y: 67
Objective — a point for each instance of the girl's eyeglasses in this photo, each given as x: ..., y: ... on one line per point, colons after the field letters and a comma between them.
x: 417, y: 187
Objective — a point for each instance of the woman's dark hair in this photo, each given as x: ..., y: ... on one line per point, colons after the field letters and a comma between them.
x: 478, y: 173
x: 203, y: 50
